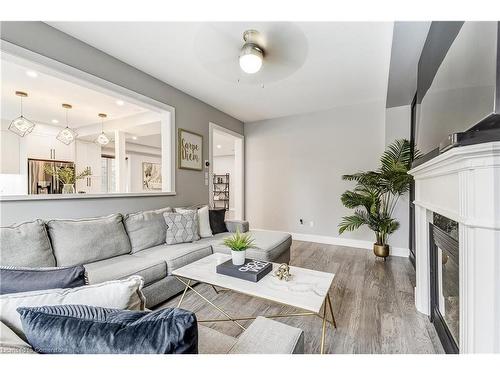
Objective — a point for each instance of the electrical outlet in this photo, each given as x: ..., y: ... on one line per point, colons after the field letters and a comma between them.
x: 311, y: 223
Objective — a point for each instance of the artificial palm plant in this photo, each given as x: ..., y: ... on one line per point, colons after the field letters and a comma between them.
x: 376, y: 194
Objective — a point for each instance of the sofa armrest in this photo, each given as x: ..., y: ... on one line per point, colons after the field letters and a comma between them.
x: 266, y: 336
x: 237, y: 225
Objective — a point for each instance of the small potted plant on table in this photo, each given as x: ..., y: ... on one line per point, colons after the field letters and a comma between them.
x: 238, y: 243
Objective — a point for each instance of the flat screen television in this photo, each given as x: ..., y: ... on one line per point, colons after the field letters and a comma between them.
x: 464, y: 92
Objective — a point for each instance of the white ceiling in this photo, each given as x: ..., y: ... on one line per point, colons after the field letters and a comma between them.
x: 310, y: 66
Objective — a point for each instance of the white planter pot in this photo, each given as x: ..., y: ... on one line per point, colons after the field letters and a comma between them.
x: 238, y: 257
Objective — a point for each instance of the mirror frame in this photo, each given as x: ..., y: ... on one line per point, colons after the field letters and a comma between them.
x: 91, y: 81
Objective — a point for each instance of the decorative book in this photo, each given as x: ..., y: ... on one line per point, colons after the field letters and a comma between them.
x: 251, y: 270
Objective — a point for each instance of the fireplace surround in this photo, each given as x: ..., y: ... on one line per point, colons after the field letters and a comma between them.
x: 463, y: 184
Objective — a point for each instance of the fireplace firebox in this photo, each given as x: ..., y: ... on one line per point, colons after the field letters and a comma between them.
x: 444, y: 277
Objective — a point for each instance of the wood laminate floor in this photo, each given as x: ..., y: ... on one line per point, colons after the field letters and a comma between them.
x: 373, y: 303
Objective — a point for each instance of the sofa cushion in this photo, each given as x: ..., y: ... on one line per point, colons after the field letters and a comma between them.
x: 211, y: 341
x: 182, y: 227
x: 26, y: 245
x: 77, y: 329
x: 117, y: 294
x: 88, y: 240
x: 267, y: 336
x: 179, y: 255
x: 25, y: 279
x: 269, y: 245
x: 123, y: 266
x: 146, y: 228
x: 10, y: 343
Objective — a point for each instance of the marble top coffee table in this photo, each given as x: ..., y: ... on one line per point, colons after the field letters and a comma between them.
x: 306, y: 289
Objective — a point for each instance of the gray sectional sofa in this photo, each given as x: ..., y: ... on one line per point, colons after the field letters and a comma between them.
x: 118, y: 246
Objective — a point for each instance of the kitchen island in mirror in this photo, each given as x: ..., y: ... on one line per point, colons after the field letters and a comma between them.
x: 66, y: 137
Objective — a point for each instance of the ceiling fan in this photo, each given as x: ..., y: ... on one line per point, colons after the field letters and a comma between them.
x: 271, y: 51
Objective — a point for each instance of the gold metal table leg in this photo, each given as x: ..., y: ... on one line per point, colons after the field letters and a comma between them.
x: 323, y: 330
x: 184, y: 293
x: 235, y: 320
x: 211, y: 303
x: 331, y: 310
x: 289, y: 315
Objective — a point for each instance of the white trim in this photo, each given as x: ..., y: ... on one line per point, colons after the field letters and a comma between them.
x: 462, y: 184
x: 239, y: 204
x: 15, y: 53
x: 341, y: 241
x: 48, y: 197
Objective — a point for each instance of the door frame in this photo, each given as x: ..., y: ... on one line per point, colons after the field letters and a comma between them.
x: 239, y: 159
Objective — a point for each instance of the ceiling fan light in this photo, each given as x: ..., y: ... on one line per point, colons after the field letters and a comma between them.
x: 102, y: 139
x: 251, y: 57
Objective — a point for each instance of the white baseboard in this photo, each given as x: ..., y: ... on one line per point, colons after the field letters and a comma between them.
x: 349, y: 242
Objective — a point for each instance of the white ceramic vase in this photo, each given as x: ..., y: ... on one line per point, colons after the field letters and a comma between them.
x: 238, y: 257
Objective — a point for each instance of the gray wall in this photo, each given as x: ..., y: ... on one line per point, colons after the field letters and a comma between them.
x: 293, y: 167
x: 191, y: 114
x: 397, y: 126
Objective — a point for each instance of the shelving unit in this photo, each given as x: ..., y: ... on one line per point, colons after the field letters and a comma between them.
x: 221, y: 191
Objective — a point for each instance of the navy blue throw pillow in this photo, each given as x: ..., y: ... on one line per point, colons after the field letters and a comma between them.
x: 25, y: 279
x: 81, y: 329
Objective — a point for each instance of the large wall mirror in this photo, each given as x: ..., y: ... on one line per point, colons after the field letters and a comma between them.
x: 64, y: 136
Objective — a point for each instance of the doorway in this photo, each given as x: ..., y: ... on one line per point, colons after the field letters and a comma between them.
x: 226, y: 171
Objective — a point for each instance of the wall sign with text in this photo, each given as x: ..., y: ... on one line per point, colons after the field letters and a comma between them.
x: 190, y: 150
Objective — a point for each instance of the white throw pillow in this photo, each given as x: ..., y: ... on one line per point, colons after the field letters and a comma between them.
x: 116, y: 294
x: 203, y: 221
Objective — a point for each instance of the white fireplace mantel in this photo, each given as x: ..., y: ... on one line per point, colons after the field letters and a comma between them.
x: 463, y: 184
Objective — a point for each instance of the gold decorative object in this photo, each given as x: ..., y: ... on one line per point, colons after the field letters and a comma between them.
x: 283, y: 272
x: 381, y: 250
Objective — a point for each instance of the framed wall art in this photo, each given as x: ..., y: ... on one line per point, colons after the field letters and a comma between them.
x: 151, y: 176
x: 190, y: 146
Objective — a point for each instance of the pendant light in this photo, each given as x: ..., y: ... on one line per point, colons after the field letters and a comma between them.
x: 102, y: 139
x: 21, y: 125
x: 67, y: 135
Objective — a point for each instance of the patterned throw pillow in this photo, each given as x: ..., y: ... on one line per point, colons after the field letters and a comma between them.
x: 182, y: 227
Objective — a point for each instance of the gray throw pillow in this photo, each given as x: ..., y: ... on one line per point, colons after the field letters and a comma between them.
x: 182, y: 227
x: 81, y: 329
x: 26, y: 279
x: 88, y: 240
x: 26, y: 245
x: 146, y: 228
